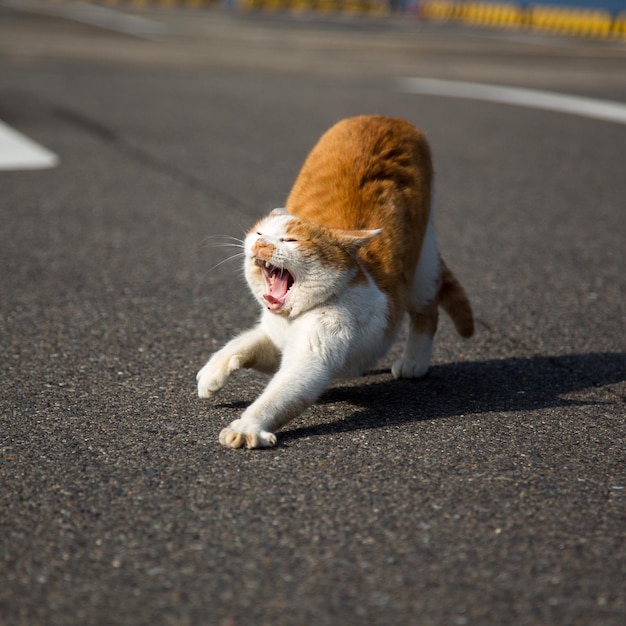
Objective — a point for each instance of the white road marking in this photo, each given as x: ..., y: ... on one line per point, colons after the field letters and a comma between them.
x: 576, y: 105
x: 18, y: 152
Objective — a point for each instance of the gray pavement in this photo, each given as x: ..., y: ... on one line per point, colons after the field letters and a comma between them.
x: 491, y: 492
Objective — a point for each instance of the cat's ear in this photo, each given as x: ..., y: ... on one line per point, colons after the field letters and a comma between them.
x: 278, y: 212
x: 354, y: 240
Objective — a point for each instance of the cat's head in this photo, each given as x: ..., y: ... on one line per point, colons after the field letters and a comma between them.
x: 293, y: 265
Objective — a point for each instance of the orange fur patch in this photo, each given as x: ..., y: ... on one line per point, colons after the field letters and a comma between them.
x: 264, y: 250
x: 367, y: 173
x: 454, y: 302
x: 317, y: 238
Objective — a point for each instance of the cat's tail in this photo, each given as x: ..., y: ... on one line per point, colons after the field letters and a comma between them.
x: 454, y: 301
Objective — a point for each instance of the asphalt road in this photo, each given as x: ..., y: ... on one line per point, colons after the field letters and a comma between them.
x: 491, y: 492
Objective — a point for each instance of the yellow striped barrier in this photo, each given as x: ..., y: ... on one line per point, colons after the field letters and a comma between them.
x: 619, y: 26
x: 545, y: 18
x: 492, y: 14
x: 583, y: 22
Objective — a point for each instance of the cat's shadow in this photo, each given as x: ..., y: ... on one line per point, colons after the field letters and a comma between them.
x: 467, y: 388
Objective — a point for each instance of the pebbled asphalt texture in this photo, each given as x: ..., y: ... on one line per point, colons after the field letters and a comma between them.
x: 490, y: 492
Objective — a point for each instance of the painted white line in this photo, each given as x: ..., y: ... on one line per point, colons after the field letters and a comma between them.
x: 576, y: 105
x: 94, y: 15
x: 18, y: 152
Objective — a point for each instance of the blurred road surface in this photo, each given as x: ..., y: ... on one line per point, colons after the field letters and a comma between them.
x: 491, y: 492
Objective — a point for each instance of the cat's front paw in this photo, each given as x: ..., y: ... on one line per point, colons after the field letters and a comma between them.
x: 213, y: 376
x: 240, y: 435
x: 409, y: 368
x: 210, y: 380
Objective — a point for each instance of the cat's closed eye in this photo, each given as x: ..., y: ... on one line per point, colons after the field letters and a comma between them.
x: 287, y: 240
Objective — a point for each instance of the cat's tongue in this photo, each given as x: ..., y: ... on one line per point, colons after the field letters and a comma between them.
x: 277, y: 283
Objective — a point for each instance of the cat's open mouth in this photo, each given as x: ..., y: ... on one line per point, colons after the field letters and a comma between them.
x: 278, y: 281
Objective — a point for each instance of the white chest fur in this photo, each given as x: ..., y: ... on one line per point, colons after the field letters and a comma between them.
x: 348, y: 333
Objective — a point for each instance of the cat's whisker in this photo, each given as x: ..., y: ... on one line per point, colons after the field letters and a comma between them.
x: 226, y: 245
x: 230, y: 258
x: 222, y: 236
x: 221, y: 241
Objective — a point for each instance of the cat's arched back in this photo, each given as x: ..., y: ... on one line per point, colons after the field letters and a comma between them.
x: 371, y: 172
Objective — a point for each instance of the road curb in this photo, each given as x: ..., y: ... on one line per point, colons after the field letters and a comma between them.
x: 345, y: 7
x: 375, y: 8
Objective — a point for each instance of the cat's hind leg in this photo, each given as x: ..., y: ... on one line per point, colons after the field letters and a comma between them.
x: 423, y: 312
x: 418, y: 349
x: 252, y: 349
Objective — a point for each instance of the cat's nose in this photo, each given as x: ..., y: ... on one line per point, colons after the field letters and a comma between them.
x: 263, y: 250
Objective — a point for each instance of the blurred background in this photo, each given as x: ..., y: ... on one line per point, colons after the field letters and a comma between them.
x: 133, y: 136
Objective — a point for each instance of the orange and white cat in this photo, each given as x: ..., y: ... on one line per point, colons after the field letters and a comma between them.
x: 335, y: 273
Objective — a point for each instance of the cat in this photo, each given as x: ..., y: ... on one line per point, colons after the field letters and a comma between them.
x: 336, y: 271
